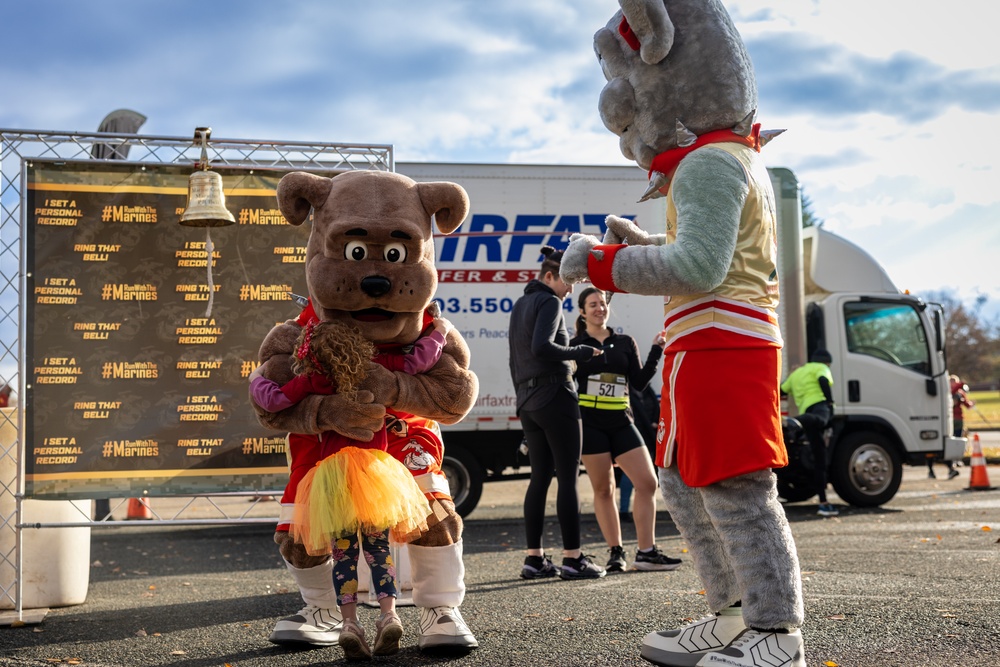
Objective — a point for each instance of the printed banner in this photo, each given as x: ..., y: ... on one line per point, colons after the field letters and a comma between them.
x: 141, y: 332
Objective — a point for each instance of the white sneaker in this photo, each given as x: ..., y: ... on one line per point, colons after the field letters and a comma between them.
x: 313, y: 625
x: 759, y: 649
x: 685, y: 646
x: 444, y: 629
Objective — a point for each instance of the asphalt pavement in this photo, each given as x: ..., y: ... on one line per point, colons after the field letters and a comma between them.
x: 912, y: 583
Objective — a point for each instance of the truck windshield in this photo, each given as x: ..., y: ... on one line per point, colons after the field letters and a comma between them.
x: 892, y: 332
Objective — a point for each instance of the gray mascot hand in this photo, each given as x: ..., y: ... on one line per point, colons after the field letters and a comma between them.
x: 573, y: 267
x: 623, y: 230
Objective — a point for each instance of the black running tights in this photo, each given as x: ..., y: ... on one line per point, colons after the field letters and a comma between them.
x: 554, y: 436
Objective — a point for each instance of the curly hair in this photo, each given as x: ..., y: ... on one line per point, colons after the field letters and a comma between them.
x: 335, y: 350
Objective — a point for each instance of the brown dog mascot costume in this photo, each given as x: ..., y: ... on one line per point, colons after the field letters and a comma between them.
x: 370, y: 263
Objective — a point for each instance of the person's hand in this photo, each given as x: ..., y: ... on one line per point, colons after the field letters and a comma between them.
x: 443, y: 325
x: 660, y: 339
x: 597, y: 351
x: 256, y: 373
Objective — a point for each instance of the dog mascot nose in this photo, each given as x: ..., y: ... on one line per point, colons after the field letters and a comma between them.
x: 375, y: 285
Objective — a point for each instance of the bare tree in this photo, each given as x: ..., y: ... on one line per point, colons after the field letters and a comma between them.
x: 973, y: 345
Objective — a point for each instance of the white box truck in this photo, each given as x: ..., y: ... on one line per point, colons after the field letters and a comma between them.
x: 893, y: 404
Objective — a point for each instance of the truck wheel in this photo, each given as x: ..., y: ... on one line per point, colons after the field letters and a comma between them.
x: 866, y: 469
x: 465, y: 477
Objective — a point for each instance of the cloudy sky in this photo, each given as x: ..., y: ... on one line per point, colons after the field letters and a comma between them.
x: 891, y: 109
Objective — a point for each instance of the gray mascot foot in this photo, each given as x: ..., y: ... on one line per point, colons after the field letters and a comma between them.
x: 442, y: 629
x: 755, y: 648
x: 312, y: 625
x: 685, y: 646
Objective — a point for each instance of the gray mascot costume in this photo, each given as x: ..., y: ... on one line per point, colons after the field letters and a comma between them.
x: 681, y: 96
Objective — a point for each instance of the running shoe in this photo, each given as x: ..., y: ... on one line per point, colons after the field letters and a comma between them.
x: 538, y: 567
x: 580, y: 568
x: 617, y: 561
x: 654, y: 559
x: 826, y: 509
x: 388, y: 629
x: 352, y: 640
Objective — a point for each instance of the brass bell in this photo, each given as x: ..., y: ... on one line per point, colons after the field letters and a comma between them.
x: 206, y: 205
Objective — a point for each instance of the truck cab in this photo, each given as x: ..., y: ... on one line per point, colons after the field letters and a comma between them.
x: 891, y: 392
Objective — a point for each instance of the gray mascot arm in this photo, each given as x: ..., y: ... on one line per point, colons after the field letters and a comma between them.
x: 709, y: 191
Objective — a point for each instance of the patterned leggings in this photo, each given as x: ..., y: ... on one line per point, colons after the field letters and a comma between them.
x: 345, y: 570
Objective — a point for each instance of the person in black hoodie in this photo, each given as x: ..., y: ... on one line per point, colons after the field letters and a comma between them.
x: 610, y: 435
x: 547, y: 405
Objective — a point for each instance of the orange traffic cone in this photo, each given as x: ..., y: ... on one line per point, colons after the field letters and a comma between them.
x: 979, y: 480
x: 138, y: 508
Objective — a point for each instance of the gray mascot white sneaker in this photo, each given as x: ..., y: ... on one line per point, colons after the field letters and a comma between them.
x: 754, y: 648
x: 687, y: 645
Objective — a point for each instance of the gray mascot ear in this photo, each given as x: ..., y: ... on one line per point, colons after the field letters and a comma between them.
x: 447, y: 202
x: 299, y: 192
x: 652, y: 26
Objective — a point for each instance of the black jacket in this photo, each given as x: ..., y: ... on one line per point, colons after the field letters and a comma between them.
x: 539, y: 353
x: 621, y: 356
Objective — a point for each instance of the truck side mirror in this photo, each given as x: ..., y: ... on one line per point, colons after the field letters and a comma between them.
x: 932, y: 388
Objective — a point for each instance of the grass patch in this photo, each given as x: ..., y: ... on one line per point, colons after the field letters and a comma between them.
x: 985, y: 415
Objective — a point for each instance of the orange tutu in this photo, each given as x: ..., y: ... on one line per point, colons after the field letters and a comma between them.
x: 357, y: 489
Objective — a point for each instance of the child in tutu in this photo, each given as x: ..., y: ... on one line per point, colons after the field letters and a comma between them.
x: 356, y: 487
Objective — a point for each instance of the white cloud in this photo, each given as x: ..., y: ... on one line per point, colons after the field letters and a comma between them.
x: 890, y: 107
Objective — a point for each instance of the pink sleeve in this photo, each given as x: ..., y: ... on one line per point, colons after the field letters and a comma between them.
x: 268, y: 395
x: 426, y: 352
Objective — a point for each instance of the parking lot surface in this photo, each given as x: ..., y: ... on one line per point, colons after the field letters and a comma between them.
x: 912, y: 583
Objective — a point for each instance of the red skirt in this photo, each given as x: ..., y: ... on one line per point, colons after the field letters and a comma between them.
x: 720, y: 413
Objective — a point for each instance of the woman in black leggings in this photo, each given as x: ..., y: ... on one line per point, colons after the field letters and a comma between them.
x: 548, y: 406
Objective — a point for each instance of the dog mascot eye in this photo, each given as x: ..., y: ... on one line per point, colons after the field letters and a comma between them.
x: 395, y: 253
x: 355, y: 250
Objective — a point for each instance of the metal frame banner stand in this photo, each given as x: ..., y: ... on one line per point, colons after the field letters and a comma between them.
x: 127, y: 336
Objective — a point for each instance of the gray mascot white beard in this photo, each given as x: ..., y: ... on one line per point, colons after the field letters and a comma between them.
x: 681, y: 95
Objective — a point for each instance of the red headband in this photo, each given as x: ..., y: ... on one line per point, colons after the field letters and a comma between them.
x: 305, y: 350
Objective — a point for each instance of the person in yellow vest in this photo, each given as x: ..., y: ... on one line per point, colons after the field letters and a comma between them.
x: 811, y: 387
